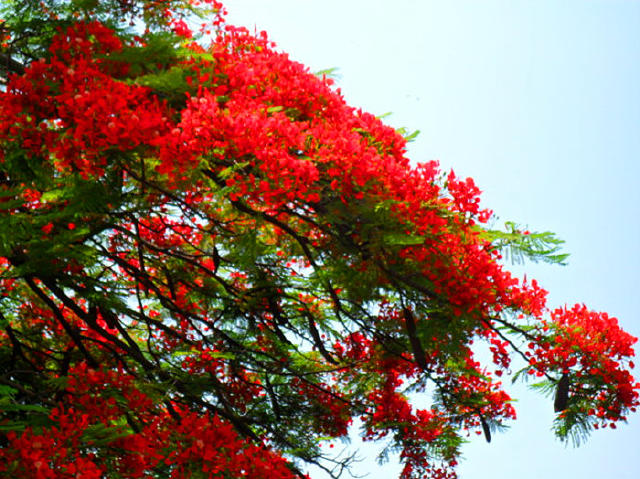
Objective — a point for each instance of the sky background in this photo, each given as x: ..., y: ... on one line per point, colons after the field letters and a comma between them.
x: 539, y: 102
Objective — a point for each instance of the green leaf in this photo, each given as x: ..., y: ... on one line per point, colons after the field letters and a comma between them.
x: 6, y: 391
x: 327, y: 72
x: 397, y: 239
x: 517, y: 244
x: 229, y: 171
x: 25, y: 407
x: 412, y: 136
x: 52, y: 196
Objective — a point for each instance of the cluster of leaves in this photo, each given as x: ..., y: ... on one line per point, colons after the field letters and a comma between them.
x: 209, y: 263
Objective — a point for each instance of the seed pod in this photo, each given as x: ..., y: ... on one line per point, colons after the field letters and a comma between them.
x: 562, y: 394
x: 485, y: 429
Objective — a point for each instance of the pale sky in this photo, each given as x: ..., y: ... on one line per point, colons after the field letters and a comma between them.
x: 539, y: 102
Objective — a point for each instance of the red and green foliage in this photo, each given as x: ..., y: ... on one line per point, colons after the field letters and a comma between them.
x: 210, y: 264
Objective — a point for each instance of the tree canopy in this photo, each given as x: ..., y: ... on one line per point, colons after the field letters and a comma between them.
x: 211, y: 265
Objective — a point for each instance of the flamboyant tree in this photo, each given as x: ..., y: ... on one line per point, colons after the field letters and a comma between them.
x: 210, y: 265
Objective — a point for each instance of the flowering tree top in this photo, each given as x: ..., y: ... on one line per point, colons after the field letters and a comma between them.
x: 210, y: 265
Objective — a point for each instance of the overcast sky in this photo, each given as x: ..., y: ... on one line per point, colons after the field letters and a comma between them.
x: 539, y: 102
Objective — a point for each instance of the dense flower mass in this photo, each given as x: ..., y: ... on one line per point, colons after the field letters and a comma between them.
x: 210, y: 264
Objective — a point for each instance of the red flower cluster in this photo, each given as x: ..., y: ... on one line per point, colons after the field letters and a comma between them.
x: 97, y: 412
x: 595, y: 353
x: 82, y: 111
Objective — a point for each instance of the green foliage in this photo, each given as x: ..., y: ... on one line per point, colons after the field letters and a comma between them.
x: 517, y: 245
x: 409, y: 136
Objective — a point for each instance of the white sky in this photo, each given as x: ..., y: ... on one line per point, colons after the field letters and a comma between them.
x: 539, y: 102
